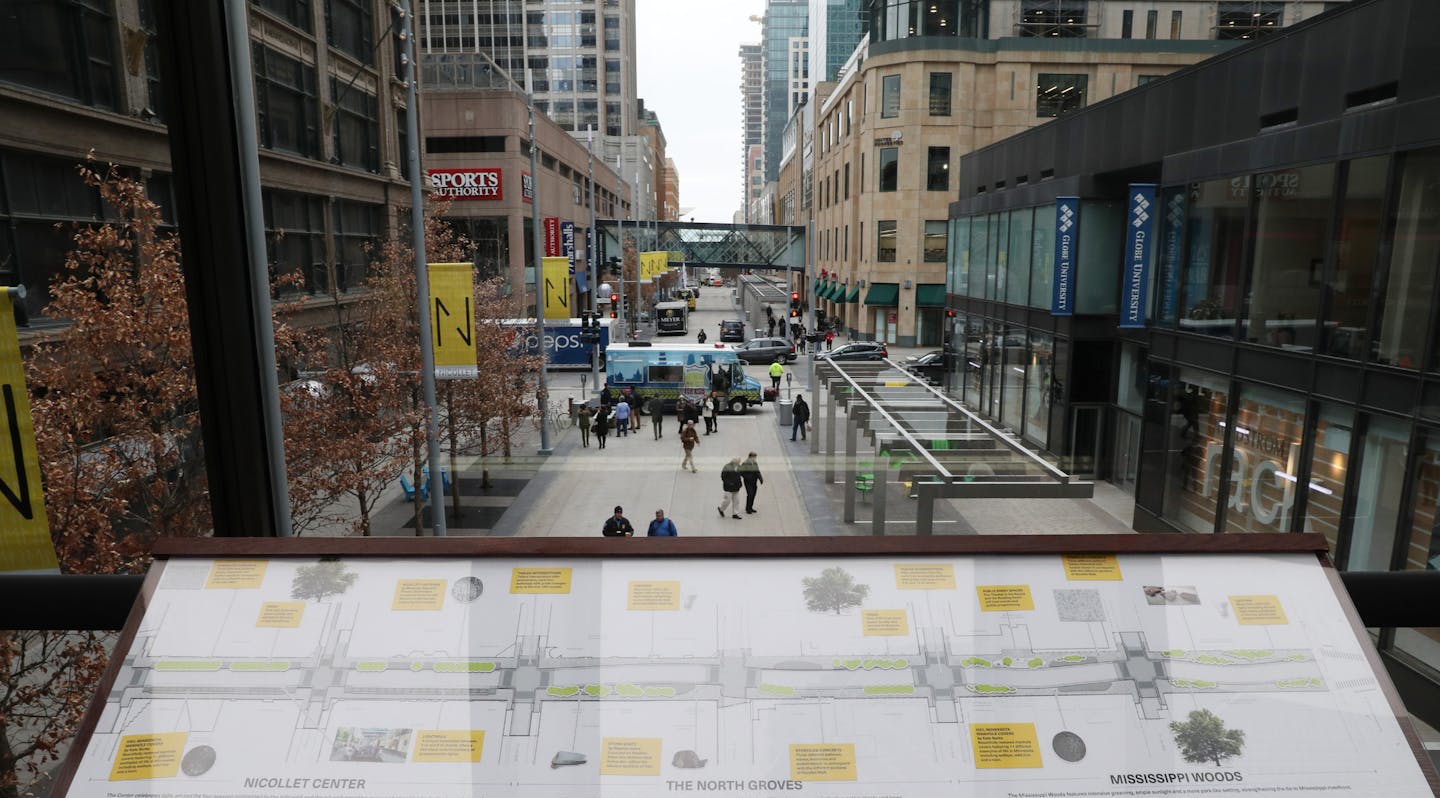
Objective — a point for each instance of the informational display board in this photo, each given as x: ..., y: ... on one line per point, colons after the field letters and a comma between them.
x: 887, y: 673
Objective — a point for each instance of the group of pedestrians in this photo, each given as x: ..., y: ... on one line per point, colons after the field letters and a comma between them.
x: 622, y: 418
x: 618, y: 526
x: 733, y: 477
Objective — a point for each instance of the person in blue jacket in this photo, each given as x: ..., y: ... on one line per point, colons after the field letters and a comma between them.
x: 661, y: 527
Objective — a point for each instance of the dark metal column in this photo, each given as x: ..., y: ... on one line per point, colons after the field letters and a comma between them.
x: 205, y: 156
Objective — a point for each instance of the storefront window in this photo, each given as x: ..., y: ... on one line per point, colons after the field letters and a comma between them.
x: 1012, y: 413
x: 974, y: 356
x: 1097, y: 280
x: 959, y: 257
x: 1329, y: 462
x: 1132, y: 378
x: 1423, y: 550
x: 1195, y: 443
x: 1214, y: 256
x: 1292, y: 218
x: 1356, y: 242
x: 979, y: 243
x: 1377, y: 495
x: 1042, y: 257
x: 1171, y: 228
x: 1017, y: 271
x: 955, y: 356
x: 995, y: 265
x: 1039, y: 380
x: 1269, y: 430
x: 1414, y: 256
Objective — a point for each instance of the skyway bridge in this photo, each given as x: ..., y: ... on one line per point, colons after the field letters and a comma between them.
x: 704, y: 244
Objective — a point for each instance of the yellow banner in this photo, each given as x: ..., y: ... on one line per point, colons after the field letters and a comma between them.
x: 452, y: 320
x: 557, y: 288
x: 24, y: 533
x: 653, y: 264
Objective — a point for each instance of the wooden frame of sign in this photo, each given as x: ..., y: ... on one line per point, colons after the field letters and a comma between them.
x: 169, y: 762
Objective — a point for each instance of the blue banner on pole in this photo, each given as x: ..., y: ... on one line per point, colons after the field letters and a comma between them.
x: 1139, y: 232
x: 582, y: 277
x: 1172, y: 234
x: 567, y: 243
x: 1067, y: 239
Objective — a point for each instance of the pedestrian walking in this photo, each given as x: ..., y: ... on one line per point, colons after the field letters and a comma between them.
x: 771, y: 326
x: 730, y: 483
x: 661, y: 527
x: 681, y: 413
x: 656, y: 408
x: 634, y: 402
x: 688, y: 441
x: 712, y: 413
x: 601, y: 429
x: 617, y: 525
x: 752, y: 479
x: 829, y: 340
x: 777, y: 370
x: 622, y: 418
x: 583, y: 420
x: 800, y: 417
x: 700, y: 338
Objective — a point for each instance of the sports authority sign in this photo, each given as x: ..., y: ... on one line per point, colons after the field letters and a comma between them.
x: 465, y: 184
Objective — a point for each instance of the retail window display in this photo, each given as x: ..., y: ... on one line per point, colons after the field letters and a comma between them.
x: 1269, y: 428
x: 1195, y: 445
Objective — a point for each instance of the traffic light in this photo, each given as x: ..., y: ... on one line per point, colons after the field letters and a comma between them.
x: 794, y: 299
x: 794, y: 314
x: 615, y: 266
x: 614, y: 306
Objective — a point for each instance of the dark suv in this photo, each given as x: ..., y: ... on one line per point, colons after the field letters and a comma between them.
x: 766, y: 350
x: 732, y: 330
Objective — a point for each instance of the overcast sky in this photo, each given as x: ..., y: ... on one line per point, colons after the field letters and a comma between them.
x: 689, y: 75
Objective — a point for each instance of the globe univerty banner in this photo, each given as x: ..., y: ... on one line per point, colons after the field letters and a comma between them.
x: 1067, y: 241
x: 1140, y: 235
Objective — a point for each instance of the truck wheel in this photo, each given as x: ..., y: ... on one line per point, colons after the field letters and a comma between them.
x: 738, y: 406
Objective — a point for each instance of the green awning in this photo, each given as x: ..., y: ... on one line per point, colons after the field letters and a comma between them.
x: 821, y: 287
x: 834, y: 291
x: 930, y: 295
x: 886, y: 295
x: 854, y: 295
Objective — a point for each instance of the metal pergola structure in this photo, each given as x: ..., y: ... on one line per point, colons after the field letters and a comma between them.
x: 930, y: 442
x: 724, y: 246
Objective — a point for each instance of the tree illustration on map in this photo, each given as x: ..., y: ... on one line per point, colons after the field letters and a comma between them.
x: 834, y: 590
x: 1204, y: 738
x: 321, y: 580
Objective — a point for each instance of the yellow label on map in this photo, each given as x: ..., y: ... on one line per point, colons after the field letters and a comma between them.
x: 1003, y: 598
x: 822, y: 762
x: 1091, y: 567
x: 540, y: 580
x: 925, y: 576
x: 653, y: 596
x: 448, y: 745
x: 281, y: 614
x: 630, y: 756
x: 1259, y: 611
x: 419, y: 594
x: 148, y: 756
x: 884, y: 623
x: 236, y: 574
x: 1005, y: 745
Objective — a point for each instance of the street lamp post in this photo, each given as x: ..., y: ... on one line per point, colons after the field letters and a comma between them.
x: 592, y: 263
x: 541, y: 394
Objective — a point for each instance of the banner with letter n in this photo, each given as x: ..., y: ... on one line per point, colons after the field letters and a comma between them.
x: 452, y: 320
x: 25, y: 543
x: 1139, y: 246
x: 653, y: 264
x: 1067, y: 239
x: 557, y: 288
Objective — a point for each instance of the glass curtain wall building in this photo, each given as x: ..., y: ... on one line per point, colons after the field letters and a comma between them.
x: 1284, y: 374
x: 836, y: 28
x: 786, y: 80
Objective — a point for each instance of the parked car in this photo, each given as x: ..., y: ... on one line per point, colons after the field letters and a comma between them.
x: 929, y: 366
x: 732, y: 330
x: 717, y: 282
x: 764, y: 351
x: 859, y: 350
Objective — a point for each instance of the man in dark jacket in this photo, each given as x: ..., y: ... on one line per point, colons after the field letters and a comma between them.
x: 750, y: 475
x: 730, y: 482
x: 800, y: 417
x: 617, y: 525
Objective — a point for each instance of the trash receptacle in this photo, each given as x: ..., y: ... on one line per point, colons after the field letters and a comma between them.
x: 785, y: 412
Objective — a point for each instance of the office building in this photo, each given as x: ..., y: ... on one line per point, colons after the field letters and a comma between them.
x: 836, y: 28
x: 1277, y: 366
x: 77, y: 78
x: 785, y: 45
x: 936, y: 80
x: 752, y: 139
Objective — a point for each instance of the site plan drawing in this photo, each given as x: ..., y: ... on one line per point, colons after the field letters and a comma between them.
x: 976, y: 675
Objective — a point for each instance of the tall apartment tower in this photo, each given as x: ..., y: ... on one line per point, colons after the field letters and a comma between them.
x: 836, y: 28
x: 784, y: 40
x: 752, y: 102
x: 580, y: 53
